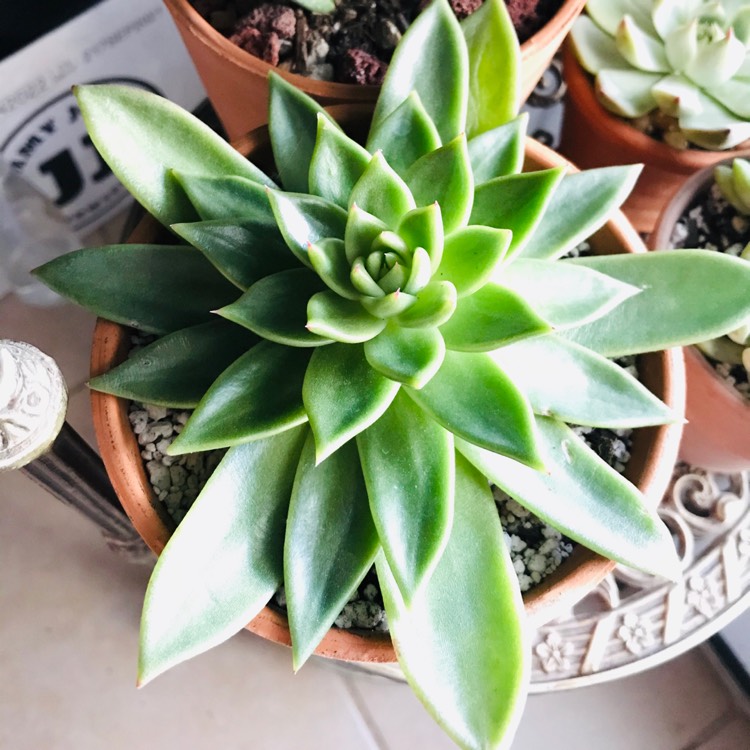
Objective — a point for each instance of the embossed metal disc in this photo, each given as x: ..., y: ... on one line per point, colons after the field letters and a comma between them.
x: 33, y: 401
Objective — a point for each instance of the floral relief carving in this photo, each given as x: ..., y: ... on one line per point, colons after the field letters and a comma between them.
x: 554, y: 653
x: 704, y: 595
x: 635, y: 634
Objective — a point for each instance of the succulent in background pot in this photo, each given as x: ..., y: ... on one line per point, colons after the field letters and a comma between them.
x: 413, y: 338
x: 712, y: 209
x: 664, y: 82
x: 237, y: 82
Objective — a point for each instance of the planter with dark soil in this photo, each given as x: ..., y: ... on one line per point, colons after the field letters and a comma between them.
x: 336, y: 59
x: 717, y: 433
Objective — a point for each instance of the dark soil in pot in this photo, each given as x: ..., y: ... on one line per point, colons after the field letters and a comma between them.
x: 351, y: 45
x: 711, y: 222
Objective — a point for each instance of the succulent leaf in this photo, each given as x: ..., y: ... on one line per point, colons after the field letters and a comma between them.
x: 242, y: 250
x: 405, y: 135
x: 734, y: 183
x: 563, y: 294
x: 224, y: 561
x: 293, y: 127
x: 601, y: 510
x: 343, y: 320
x: 516, y: 202
x: 581, y: 204
x: 390, y: 305
x: 471, y: 255
x: 498, y: 152
x: 127, y: 126
x: 382, y: 193
x: 169, y: 287
x: 406, y: 449
x: 444, y: 177
x: 491, y: 317
x: 423, y: 227
x: 493, y: 45
x: 337, y: 163
x: 226, y: 197
x: 330, y: 543
x: 475, y: 568
x: 177, y: 369
x: 431, y: 60
x: 343, y: 395
x: 667, y: 279
x: 305, y: 219
x: 259, y: 310
x: 472, y: 397
x: 362, y: 229
x: 572, y: 384
x: 639, y: 48
x: 269, y: 378
x: 407, y: 355
x: 328, y: 258
x: 433, y: 306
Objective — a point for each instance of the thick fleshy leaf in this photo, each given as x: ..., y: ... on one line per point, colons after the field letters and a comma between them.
x: 337, y: 163
x: 343, y: 395
x: 409, y: 469
x: 595, y: 49
x: 575, y: 385
x: 498, y: 152
x: 382, y: 193
x: 640, y: 49
x: 305, y: 219
x: 431, y: 59
x: 127, y: 126
x: 609, y: 13
x: 473, y: 687
x: 405, y: 135
x: 432, y: 307
x: 257, y: 396
x: 390, y: 305
x: 244, y: 251
x: 563, y: 294
x: 516, y: 202
x: 226, y: 197
x: 493, y: 316
x: 493, y: 46
x: 168, y: 287
x: 423, y: 227
x: 471, y: 255
x: 627, y: 92
x: 734, y: 96
x: 714, y: 127
x: 259, y: 310
x: 293, y: 127
x: 444, y: 177
x: 408, y: 355
x: 177, y: 369
x: 225, y: 560
x: 328, y: 258
x: 585, y: 498
x: 688, y: 296
x: 474, y: 399
x: 362, y: 229
x: 340, y: 319
x: 330, y: 544
x: 580, y: 205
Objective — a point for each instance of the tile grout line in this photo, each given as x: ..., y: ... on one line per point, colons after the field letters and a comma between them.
x: 368, y: 720
x: 708, y: 732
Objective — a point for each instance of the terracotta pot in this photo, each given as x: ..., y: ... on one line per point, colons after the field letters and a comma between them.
x: 653, y: 454
x: 236, y: 81
x: 594, y: 137
x: 717, y: 433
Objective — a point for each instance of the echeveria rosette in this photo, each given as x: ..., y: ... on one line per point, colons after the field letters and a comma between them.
x: 689, y: 58
x: 375, y: 343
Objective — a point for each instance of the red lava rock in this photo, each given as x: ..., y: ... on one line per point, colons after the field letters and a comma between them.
x: 529, y: 16
x: 464, y: 8
x: 363, y: 68
x: 269, y: 18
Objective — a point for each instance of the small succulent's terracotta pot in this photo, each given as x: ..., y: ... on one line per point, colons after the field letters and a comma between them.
x: 237, y: 82
x: 594, y: 137
x: 654, y: 449
x: 717, y: 433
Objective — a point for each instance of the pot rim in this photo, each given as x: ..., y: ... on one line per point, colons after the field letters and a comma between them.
x: 581, y: 572
x: 216, y: 41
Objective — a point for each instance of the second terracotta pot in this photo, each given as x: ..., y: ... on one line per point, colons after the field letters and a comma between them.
x: 654, y: 449
x: 594, y: 137
x: 717, y: 433
x: 237, y: 82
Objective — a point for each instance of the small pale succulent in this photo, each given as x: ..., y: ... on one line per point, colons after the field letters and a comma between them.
x: 688, y: 58
x: 734, y: 183
x: 375, y: 344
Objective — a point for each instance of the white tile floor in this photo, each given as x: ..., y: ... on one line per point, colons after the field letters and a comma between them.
x: 68, y: 639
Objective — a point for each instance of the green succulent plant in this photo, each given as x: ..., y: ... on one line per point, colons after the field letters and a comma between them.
x: 376, y: 343
x: 734, y: 183
x: 688, y: 58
